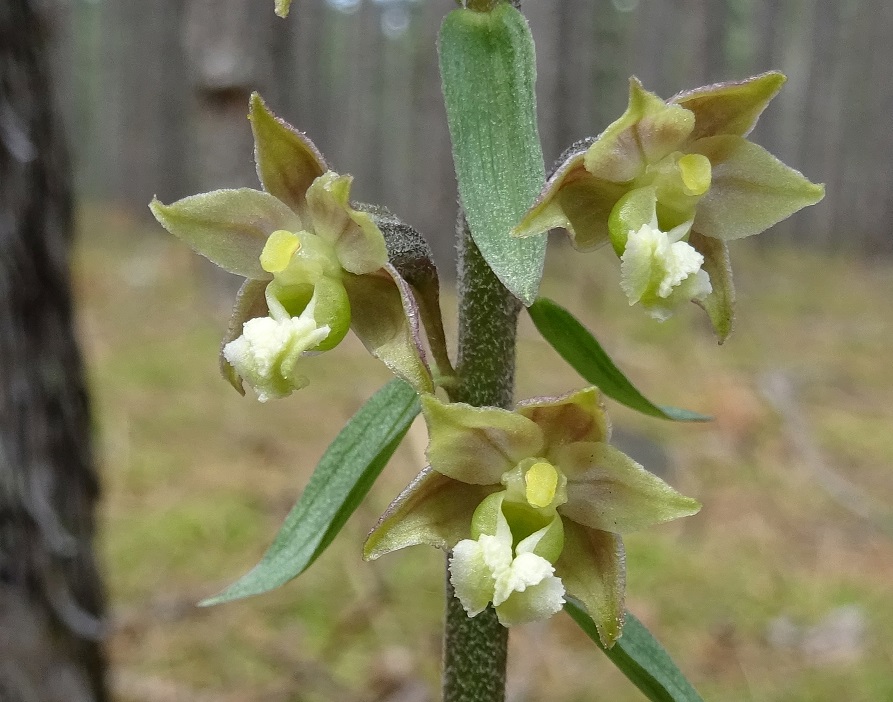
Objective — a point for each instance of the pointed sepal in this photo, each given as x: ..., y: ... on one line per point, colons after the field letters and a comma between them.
x: 287, y: 161
x: 730, y: 108
x: 229, y: 227
x: 385, y: 317
x: 432, y: 510
x: 751, y: 189
x: 593, y: 569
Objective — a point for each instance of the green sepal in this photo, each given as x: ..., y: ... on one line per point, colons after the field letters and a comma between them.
x: 341, y: 480
x: 488, y: 69
x: 720, y: 303
x: 229, y: 227
x: 751, y: 189
x: 282, y: 7
x: 592, y: 567
x: 576, y: 345
x: 433, y: 509
x: 730, y: 108
x: 385, y: 318
x: 410, y: 255
x: 609, y: 491
x: 287, y: 161
x: 639, y: 656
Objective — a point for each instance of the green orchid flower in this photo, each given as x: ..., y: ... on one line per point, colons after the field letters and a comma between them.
x: 531, y: 503
x: 314, y: 266
x: 680, y: 163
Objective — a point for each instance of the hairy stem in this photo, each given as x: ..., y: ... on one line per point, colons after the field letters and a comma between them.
x: 474, y: 654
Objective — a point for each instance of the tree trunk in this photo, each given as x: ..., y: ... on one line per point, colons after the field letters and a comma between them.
x: 50, y: 596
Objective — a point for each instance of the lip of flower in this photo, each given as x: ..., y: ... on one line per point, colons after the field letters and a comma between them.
x: 267, y: 352
x: 548, y: 459
x: 298, y: 237
x: 518, y: 581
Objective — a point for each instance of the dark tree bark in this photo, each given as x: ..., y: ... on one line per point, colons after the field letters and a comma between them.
x: 50, y: 595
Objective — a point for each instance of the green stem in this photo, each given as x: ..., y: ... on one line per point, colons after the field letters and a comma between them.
x: 474, y: 653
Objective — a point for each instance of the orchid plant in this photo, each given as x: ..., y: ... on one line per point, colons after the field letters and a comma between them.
x: 529, y: 503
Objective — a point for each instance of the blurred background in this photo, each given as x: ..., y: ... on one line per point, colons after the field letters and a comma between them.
x: 778, y: 591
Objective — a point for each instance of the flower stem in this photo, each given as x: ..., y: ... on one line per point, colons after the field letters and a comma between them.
x: 474, y: 652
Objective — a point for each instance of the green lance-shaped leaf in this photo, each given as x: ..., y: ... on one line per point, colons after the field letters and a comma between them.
x: 343, y: 477
x: 488, y: 68
x: 640, y: 658
x: 576, y: 345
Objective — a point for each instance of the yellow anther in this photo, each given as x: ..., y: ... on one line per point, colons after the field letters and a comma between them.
x: 541, y: 481
x: 696, y: 173
x: 278, y: 250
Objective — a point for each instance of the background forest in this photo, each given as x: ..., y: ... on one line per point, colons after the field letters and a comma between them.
x: 778, y: 590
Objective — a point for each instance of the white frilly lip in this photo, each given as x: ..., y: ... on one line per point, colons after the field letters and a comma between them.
x: 661, y: 271
x: 266, y: 354
x: 522, y: 586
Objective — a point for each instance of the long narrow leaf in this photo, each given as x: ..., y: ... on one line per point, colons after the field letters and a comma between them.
x: 576, y: 345
x: 488, y: 68
x: 640, y: 658
x: 344, y: 475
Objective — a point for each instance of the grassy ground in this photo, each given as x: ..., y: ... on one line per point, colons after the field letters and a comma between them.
x: 779, y: 590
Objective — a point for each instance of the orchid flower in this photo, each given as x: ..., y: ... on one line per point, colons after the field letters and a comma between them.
x: 546, y: 472
x: 304, y: 252
x: 681, y: 162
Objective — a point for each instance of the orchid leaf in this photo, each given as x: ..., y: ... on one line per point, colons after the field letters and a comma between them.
x: 341, y: 480
x: 576, y: 345
x: 640, y: 657
x: 488, y: 69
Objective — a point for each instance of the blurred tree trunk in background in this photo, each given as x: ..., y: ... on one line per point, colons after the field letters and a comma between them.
x: 227, y: 44
x: 51, y: 599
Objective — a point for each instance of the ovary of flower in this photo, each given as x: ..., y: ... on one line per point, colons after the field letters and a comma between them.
x: 267, y: 353
x: 660, y: 271
x: 522, y: 586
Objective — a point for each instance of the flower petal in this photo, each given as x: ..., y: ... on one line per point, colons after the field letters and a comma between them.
x: 250, y: 303
x: 433, y: 510
x: 608, y: 490
x: 287, y: 161
x: 230, y: 227
x: 730, y: 108
x: 576, y: 416
x: 358, y: 243
x: 720, y: 303
x: 477, y: 444
x: 649, y: 130
x: 593, y: 569
x: 384, y: 316
x: 751, y: 189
